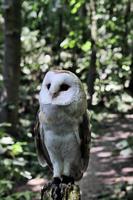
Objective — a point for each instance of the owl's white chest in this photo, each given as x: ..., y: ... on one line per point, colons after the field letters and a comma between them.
x: 63, y: 145
x: 61, y: 133
x: 60, y: 142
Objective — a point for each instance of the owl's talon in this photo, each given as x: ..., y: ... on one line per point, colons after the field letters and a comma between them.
x: 56, y: 181
x: 56, y: 189
x: 67, y: 179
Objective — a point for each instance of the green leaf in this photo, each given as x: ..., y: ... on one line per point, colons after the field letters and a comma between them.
x: 86, y: 46
x: 77, y: 6
x: 68, y: 43
x: 17, y: 148
x: 72, y: 44
x: 65, y: 43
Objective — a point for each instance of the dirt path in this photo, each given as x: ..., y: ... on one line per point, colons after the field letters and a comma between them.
x: 107, y: 167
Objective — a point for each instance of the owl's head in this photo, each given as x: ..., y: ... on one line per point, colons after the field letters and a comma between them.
x: 60, y: 87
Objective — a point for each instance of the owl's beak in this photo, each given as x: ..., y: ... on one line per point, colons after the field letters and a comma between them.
x: 54, y: 94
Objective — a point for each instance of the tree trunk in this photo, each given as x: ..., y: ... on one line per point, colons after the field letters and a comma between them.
x: 127, y: 17
x: 130, y: 88
x: 92, y: 68
x: 126, y: 48
x: 92, y: 74
x: 12, y: 54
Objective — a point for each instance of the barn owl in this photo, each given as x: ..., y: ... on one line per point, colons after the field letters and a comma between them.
x: 63, y: 138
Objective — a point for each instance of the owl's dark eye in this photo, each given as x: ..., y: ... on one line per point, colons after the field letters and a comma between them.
x: 64, y: 87
x: 48, y: 86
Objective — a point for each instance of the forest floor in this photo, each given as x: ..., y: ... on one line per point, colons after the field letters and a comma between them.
x: 110, y: 169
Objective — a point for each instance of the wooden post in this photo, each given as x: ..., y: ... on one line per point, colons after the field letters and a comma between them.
x: 68, y: 192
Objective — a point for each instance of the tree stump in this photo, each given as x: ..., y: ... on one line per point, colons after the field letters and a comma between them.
x: 68, y: 192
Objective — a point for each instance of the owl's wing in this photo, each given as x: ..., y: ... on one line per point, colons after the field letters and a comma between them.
x: 85, y: 138
x: 42, y: 152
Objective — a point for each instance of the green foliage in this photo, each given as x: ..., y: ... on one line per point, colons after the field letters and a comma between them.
x: 19, y: 196
x: 16, y: 165
x: 58, y: 34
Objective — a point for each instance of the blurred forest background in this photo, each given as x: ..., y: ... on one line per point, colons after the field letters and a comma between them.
x: 93, y: 39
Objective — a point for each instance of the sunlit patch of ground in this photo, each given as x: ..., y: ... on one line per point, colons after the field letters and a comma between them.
x: 34, y: 185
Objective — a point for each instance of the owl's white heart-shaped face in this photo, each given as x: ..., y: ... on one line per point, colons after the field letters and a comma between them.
x: 60, y: 87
